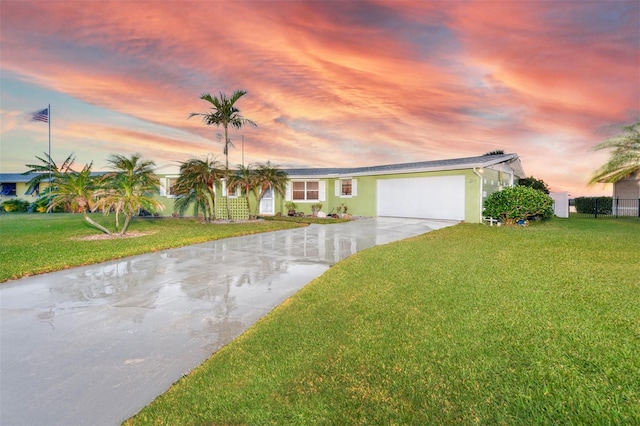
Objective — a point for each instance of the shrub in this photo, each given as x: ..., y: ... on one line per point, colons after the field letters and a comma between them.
x: 517, y: 203
x: 588, y: 205
x: 41, y: 205
x: 534, y: 183
x: 15, y: 205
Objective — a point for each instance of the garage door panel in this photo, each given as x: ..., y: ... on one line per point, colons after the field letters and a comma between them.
x: 437, y: 197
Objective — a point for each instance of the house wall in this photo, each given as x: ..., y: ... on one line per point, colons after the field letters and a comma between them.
x: 627, y: 189
x: 21, y: 189
x: 478, y: 186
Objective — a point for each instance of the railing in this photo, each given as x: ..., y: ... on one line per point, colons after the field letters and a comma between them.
x: 604, y: 207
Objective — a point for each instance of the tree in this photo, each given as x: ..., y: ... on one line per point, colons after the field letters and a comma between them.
x: 245, y: 178
x: 534, y: 183
x: 224, y: 113
x: 129, y: 188
x: 46, y: 170
x: 75, y: 190
x: 195, y: 186
x: 624, y: 159
x: 269, y: 176
x: 517, y: 203
x: 494, y: 152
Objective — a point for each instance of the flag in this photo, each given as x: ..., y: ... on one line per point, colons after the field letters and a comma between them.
x: 42, y: 115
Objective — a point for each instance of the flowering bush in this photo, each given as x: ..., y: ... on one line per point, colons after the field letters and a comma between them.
x: 517, y: 203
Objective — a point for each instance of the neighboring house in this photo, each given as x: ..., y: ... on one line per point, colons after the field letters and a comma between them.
x: 626, y: 196
x: 452, y: 189
x: 444, y: 189
x: 15, y: 185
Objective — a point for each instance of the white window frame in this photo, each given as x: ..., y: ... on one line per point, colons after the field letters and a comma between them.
x: 321, y: 191
x: 165, y: 186
x: 339, y: 187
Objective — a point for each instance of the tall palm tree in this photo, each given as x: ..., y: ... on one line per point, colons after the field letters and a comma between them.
x: 270, y: 176
x: 76, y: 191
x: 195, y: 185
x: 245, y: 178
x: 624, y: 159
x: 224, y: 113
x: 129, y: 188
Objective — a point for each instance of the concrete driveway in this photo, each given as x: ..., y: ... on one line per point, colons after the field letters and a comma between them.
x: 93, y: 345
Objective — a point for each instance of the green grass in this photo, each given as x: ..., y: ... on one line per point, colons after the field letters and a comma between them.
x: 469, y: 324
x: 37, y: 243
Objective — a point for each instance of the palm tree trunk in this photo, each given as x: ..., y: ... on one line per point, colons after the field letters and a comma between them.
x: 94, y: 223
x: 127, y: 219
x: 226, y: 152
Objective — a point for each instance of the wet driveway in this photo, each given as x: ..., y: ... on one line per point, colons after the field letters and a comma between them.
x: 95, y: 344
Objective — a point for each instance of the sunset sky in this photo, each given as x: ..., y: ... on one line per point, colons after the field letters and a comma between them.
x: 330, y: 83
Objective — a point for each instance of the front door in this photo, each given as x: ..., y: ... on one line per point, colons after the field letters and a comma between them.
x: 268, y: 202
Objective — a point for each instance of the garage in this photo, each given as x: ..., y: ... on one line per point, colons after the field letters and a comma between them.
x: 437, y: 197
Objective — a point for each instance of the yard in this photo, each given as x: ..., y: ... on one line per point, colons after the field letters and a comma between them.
x: 469, y: 324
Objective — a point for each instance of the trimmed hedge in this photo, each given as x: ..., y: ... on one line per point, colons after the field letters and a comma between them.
x: 588, y: 205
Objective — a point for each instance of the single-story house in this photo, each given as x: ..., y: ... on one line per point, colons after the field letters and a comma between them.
x: 453, y: 189
x: 443, y: 189
x: 15, y: 185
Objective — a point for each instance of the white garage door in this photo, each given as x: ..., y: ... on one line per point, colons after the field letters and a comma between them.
x: 438, y: 197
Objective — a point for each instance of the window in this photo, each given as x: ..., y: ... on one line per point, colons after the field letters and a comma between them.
x: 234, y: 192
x: 8, y: 189
x: 306, y: 191
x: 171, y: 183
x: 346, y: 188
x: 167, y: 186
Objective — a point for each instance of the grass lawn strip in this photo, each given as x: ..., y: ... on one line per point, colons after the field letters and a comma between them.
x: 469, y: 324
x: 37, y: 243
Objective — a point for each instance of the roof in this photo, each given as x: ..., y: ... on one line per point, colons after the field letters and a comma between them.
x: 19, y: 177
x: 483, y: 161
x: 479, y: 162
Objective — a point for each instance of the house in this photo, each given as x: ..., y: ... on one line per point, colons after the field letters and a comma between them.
x: 453, y: 189
x: 444, y: 189
x: 15, y: 185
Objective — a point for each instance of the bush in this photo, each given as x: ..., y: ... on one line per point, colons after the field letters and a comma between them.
x: 15, y: 205
x: 588, y: 205
x: 518, y: 203
x: 41, y: 205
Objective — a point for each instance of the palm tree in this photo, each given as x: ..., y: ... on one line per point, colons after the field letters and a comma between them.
x: 76, y: 191
x: 245, y: 178
x: 46, y: 170
x: 269, y: 176
x: 624, y: 159
x: 195, y: 185
x: 224, y: 113
x: 129, y: 188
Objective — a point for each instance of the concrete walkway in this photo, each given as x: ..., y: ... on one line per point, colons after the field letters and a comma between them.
x: 93, y: 345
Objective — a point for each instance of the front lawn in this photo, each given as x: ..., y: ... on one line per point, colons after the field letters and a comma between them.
x: 37, y: 243
x: 469, y: 324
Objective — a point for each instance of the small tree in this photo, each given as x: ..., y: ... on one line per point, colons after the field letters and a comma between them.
x: 517, y: 203
x: 245, y: 178
x: 75, y: 190
x: 128, y: 189
x: 534, y: 183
